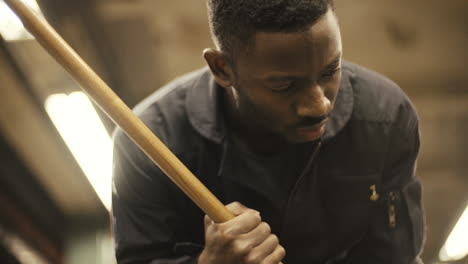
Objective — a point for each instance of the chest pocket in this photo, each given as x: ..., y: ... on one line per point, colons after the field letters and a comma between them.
x: 349, y: 200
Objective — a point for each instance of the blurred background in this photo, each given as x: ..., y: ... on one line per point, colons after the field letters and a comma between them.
x: 55, y: 150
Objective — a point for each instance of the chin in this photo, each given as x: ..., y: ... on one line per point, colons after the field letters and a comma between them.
x: 302, y: 140
x: 306, y: 135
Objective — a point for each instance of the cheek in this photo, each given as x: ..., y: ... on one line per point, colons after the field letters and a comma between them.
x: 266, y: 108
x: 332, y: 88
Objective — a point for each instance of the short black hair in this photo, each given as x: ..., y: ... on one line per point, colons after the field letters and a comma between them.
x: 233, y: 23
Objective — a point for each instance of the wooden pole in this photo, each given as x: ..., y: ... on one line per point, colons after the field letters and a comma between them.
x: 120, y: 113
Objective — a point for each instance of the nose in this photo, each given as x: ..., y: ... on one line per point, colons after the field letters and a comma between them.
x: 313, y: 102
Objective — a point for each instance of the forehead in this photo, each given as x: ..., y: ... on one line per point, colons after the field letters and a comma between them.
x: 296, y: 52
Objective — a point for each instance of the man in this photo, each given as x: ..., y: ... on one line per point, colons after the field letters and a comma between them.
x: 314, y: 155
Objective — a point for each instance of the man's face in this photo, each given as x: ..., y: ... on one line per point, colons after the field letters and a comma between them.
x: 287, y: 85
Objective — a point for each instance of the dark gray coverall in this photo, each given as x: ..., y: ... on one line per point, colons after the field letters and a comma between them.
x: 358, y: 201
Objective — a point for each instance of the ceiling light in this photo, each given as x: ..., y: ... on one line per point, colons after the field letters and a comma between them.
x: 86, y: 137
x: 11, y: 27
x: 456, y: 246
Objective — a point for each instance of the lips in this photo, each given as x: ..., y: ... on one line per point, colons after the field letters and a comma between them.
x: 315, y: 126
x: 312, y: 132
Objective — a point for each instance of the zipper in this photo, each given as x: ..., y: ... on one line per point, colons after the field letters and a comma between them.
x: 296, y: 185
x: 392, y: 220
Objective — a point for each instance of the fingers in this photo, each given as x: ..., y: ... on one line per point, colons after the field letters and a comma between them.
x: 262, y: 251
x: 269, y: 251
x: 245, y: 221
x: 244, y: 239
x: 238, y: 208
x: 275, y: 257
x: 257, y: 235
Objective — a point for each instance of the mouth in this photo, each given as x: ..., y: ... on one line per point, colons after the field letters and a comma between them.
x: 312, y: 132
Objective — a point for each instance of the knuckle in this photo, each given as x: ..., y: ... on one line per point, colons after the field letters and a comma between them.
x: 225, y: 236
x: 255, y: 216
x: 252, y: 259
x: 266, y: 227
x: 253, y: 211
x: 274, y: 239
x: 281, y: 252
x: 276, y: 256
x: 236, y: 204
x: 227, y: 228
x: 240, y: 248
x: 236, y: 208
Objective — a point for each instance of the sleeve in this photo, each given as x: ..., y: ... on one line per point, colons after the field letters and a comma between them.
x: 145, y: 218
x: 397, y: 230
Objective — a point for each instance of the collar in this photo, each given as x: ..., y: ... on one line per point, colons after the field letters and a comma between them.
x: 203, y: 109
x: 343, y: 107
x: 203, y: 106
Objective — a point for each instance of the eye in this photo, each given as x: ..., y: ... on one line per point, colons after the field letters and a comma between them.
x: 328, y: 75
x: 283, y: 88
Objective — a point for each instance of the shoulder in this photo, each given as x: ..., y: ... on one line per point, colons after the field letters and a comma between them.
x: 164, y: 111
x: 170, y: 99
x: 382, y: 130
x: 377, y: 98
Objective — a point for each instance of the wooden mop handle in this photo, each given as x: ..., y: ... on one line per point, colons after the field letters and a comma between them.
x: 119, y: 112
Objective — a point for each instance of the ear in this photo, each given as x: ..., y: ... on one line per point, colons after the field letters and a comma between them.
x: 220, y: 68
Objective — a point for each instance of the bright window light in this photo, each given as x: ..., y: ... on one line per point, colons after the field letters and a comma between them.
x: 11, y: 27
x: 86, y: 137
x: 456, y: 246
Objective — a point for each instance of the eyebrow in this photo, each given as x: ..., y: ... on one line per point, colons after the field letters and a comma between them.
x: 333, y: 65
x: 278, y: 78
